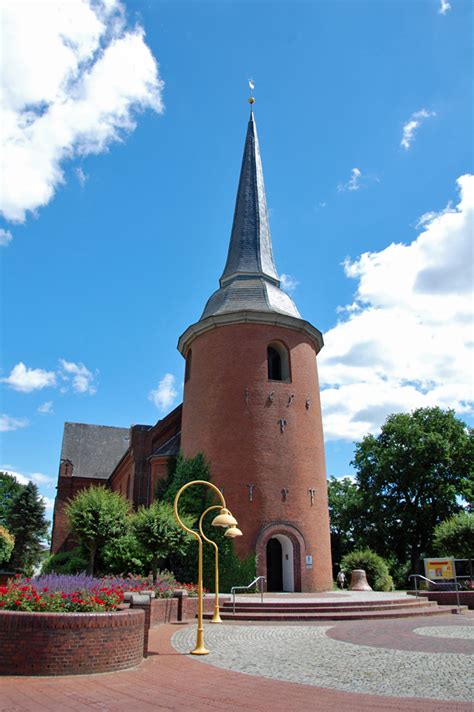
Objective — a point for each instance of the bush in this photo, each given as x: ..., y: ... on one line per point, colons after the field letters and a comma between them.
x: 7, y: 543
x: 66, y: 562
x: 455, y: 536
x: 375, y: 567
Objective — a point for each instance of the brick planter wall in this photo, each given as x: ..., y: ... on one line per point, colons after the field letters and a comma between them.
x: 70, y: 643
x: 449, y: 598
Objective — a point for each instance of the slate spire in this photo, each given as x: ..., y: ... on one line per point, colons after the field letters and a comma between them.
x: 250, y: 250
x: 250, y: 280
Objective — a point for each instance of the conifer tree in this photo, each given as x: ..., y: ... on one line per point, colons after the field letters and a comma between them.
x: 29, y: 526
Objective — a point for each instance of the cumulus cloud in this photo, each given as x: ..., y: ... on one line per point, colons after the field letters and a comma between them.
x: 165, y: 394
x: 406, y: 340
x: 353, y: 183
x: 8, y: 423
x: 81, y: 378
x: 288, y: 282
x: 444, y: 6
x: 5, y: 237
x: 74, y: 77
x: 46, y: 408
x: 411, y: 126
x: 26, y: 379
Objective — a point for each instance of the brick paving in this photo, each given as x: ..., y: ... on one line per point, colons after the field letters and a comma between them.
x: 168, y: 680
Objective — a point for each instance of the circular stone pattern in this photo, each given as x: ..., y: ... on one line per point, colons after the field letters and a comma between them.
x: 448, y: 631
x: 305, y: 654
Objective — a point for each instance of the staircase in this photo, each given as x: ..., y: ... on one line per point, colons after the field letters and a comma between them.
x: 298, y: 610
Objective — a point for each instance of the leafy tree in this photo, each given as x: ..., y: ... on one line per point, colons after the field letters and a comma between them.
x: 410, y: 478
x: 455, y: 536
x: 7, y: 542
x: 158, y: 533
x: 345, y: 508
x: 374, y: 566
x: 9, y: 490
x: 98, y: 516
x: 29, y: 526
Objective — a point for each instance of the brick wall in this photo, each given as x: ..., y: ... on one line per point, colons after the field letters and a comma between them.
x: 449, y: 598
x: 70, y: 643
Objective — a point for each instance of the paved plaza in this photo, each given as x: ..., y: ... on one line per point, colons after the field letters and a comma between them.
x: 416, y: 664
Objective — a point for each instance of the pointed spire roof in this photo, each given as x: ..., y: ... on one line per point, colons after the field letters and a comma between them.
x: 250, y: 249
x: 250, y: 279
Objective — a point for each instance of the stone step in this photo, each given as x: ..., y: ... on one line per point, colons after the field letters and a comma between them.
x: 288, y: 617
x: 328, y: 609
x: 326, y: 604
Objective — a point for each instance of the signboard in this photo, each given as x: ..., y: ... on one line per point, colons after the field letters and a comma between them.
x: 439, y: 569
x: 309, y: 562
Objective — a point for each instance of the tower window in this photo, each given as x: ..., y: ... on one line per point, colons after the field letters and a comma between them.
x: 278, y: 362
x: 187, y: 370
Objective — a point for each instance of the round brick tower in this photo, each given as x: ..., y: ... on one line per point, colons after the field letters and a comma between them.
x: 252, y: 405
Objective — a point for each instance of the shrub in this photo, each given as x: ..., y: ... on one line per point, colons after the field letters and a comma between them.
x: 66, y: 562
x: 7, y: 543
x: 374, y: 566
x: 455, y: 536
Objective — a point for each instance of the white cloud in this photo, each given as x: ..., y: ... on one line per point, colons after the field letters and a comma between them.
x: 74, y: 77
x: 353, y: 183
x: 46, y: 408
x: 414, y: 122
x: 8, y: 423
x: 26, y: 380
x: 288, y: 282
x: 82, y: 378
x: 165, y: 394
x: 444, y: 7
x: 406, y: 341
x: 5, y: 237
x: 81, y: 176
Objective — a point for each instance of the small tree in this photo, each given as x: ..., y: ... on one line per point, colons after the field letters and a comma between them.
x: 29, y: 526
x: 97, y: 516
x: 9, y: 490
x: 159, y: 534
x: 7, y: 543
x: 455, y: 536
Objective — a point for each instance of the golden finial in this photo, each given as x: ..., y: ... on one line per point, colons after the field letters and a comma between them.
x: 251, y: 97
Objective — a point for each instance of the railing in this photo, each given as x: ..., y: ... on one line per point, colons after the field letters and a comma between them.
x: 435, y: 583
x: 246, y: 588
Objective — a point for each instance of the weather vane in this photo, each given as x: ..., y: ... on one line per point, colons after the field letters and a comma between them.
x: 251, y: 97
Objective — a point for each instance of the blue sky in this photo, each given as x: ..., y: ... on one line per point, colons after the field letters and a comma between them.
x: 123, y: 135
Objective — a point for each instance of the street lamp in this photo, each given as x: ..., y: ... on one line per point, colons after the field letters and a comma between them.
x: 223, y: 519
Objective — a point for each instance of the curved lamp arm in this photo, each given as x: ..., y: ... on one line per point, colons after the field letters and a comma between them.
x: 180, y: 492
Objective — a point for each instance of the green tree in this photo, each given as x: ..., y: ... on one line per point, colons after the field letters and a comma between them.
x: 7, y: 542
x: 9, y: 490
x: 98, y: 516
x: 29, y: 526
x: 455, y: 536
x: 345, y: 509
x: 158, y: 534
x: 410, y: 478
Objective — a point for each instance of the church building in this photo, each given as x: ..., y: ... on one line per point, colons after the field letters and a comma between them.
x: 251, y: 405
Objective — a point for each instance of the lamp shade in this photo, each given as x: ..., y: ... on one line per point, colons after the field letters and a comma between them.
x: 232, y: 532
x: 224, y: 519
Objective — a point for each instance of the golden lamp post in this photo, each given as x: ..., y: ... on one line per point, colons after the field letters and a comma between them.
x: 223, y: 519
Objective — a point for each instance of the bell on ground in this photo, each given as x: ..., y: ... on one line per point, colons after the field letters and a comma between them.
x: 359, y: 581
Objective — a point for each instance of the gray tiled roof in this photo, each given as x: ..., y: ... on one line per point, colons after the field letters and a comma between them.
x: 169, y: 448
x: 94, y: 450
x: 250, y: 280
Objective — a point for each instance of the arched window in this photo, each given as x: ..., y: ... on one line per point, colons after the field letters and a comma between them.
x: 278, y: 360
x: 187, y: 370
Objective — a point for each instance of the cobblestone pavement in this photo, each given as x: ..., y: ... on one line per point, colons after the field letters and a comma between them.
x: 307, y: 655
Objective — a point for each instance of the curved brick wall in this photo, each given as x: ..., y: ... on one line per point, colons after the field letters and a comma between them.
x: 70, y: 643
x: 227, y: 414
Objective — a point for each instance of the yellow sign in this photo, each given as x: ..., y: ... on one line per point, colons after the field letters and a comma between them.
x: 439, y: 568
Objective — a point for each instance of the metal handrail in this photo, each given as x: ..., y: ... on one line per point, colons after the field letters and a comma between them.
x: 436, y: 583
x: 245, y: 588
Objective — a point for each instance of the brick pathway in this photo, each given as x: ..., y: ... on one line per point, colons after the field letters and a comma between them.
x: 168, y: 680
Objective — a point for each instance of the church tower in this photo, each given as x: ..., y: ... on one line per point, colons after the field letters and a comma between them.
x: 252, y: 403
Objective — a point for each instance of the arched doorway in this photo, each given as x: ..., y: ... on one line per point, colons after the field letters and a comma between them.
x: 280, y: 564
